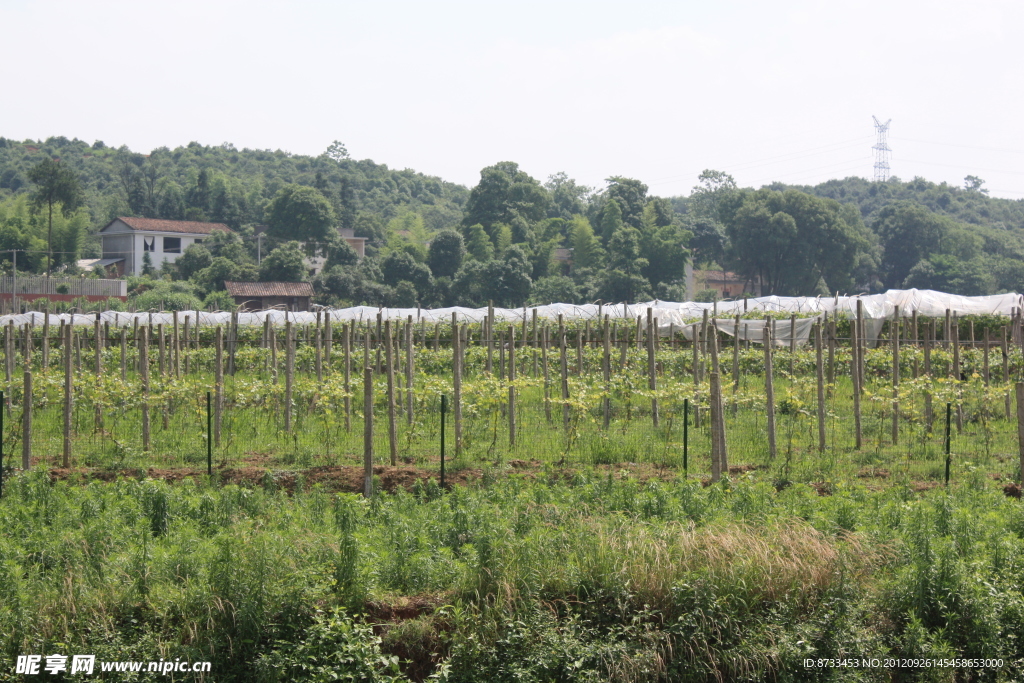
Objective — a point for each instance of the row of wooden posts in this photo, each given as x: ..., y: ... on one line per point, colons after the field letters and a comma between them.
x: 705, y: 335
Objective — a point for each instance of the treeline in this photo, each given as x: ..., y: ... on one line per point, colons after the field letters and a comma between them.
x: 511, y: 239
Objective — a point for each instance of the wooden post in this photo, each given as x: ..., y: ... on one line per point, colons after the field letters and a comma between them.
x: 69, y: 393
x: 176, y: 348
x: 457, y: 383
x: 511, y: 383
x: 957, y: 375
x: 792, y: 343
x: 328, y: 338
x: 855, y: 360
x: 564, y: 368
x: 161, y: 348
x: 185, y: 335
x: 488, y: 332
x: 1020, y: 426
x: 318, y: 363
x: 289, y: 373
x: 831, y: 351
x: 547, y: 373
x: 652, y: 375
x: 1006, y: 371
x: 98, y: 363
x: 143, y: 344
x: 273, y: 354
x: 390, y: 367
x: 409, y: 371
x: 218, y: 380
x: 606, y: 367
x: 46, y: 336
x: 233, y: 342
x: 26, y: 436
x: 985, y: 362
x: 719, y: 449
x: 124, y: 354
x: 821, y: 386
x: 929, y: 338
x: 769, y: 388
x: 346, y: 343
x: 367, y: 430
x: 735, y: 359
x: 895, y: 333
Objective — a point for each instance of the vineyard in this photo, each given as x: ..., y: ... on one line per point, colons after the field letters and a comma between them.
x: 617, y: 505
x: 294, y: 397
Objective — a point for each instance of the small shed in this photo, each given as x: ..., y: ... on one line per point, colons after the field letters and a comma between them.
x: 257, y: 296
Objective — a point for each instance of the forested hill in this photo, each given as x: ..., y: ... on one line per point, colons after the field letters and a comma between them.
x: 228, y: 185
x: 969, y: 204
x: 511, y: 239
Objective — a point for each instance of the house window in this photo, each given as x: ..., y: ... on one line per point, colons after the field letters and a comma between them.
x: 172, y: 245
x: 148, y: 243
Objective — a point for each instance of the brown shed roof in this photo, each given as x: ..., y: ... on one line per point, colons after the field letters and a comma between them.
x: 161, y: 225
x: 269, y: 288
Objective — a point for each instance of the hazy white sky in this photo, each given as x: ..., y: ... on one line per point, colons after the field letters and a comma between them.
x: 653, y: 90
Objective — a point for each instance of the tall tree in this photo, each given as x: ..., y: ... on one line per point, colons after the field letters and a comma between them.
x: 302, y: 213
x: 55, y: 184
x: 791, y: 241
x: 909, y: 233
x: 447, y: 250
x: 631, y: 196
x: 586, y: 248
x: 504, y: 192
x: 611, y: 220
x: 284, y: 264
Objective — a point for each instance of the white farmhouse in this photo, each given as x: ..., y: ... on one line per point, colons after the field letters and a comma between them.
x: 126, y: 240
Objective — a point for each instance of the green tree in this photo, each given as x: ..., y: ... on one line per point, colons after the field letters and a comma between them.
x: 286, y: 263
x: 586, y: 248
x: 147, y: 264
x: 502, y: 237
x: 56, y: 185
x: 706, y: 199
x: 791, y: 241
x: 909, y: 233
x: 631, y: 197
x: 568, y: 199
x: 192, y: 260
x: 301, y: 213
x: 503, y: 192
x: 611, y: 220
x: 554, y: 289
x: 447, y: 250
x: 478, y: 244
x: 398, y: 266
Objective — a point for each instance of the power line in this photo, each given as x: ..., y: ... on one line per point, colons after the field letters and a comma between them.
x: 951, y: 144
x: 765, y: 161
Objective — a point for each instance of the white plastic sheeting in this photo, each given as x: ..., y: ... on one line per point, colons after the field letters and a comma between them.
x: 680, y: 315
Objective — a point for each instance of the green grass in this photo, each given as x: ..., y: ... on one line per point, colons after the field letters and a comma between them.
x: 596, y: 578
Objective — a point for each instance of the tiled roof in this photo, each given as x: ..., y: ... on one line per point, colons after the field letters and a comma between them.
x: 269, y: 288
x: 161, y: 225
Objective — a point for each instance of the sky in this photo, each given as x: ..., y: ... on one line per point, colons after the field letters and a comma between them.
x: 782, y: 91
